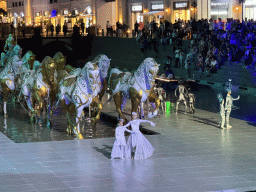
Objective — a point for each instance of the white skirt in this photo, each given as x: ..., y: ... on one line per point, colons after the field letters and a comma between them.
x: 143, y: 147
x: 120, y: 151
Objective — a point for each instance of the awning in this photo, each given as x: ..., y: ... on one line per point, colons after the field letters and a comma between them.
x: 154, y: 13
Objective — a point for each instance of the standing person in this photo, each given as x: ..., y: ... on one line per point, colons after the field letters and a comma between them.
x: 58, y: 29
x: 12, y: 29
x: 52, y: 29
x: 23, y: 29
x: 182, y: 93
x: 65, y: 29
x: 125, y: 28
x: 120, y: 148
x: 177, y: 57
x: 181, y: 58
x: 108, y: 27
x: 82, y: 27
x: 136, y: 28
x: 47, y: 29
x: 137, y: 140
x: 191, y: 100
x: 222, y: 110
x: 188, y: 65
x: 228, y: 106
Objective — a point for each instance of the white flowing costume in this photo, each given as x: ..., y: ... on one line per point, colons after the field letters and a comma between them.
x: 120, y: 149
x: 143, y: 147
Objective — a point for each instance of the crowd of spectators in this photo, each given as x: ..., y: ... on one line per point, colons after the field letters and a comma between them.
x: 212, y: 43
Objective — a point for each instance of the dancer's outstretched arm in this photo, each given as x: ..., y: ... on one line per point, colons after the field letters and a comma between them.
x: 129, y: 130
x: 146, y: 121
x: 128, y: 124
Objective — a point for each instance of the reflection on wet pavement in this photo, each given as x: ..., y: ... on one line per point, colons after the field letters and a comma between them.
x: 206, y: 99
x: 18, y: 127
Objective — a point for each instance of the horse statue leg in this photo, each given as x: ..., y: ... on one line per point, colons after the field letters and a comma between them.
x: 135, y: 99
x: 40, y: 101
x: 103, y: 91
x: 69, y: 109
x: 118, y: 97
x: 97, y: 106
x: 6, y: 92
x: 78, y: 121
x: 152, y: 98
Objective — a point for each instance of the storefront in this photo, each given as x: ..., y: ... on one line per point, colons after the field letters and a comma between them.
x: 250, y: 9
x: 181, y: 11
x: 137, y: 15
x: 219, y: 9
x: 156, y: 13
x: 38, y: 19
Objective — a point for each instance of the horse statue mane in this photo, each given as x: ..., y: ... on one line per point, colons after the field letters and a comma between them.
x: 60, y: 61
x: 103, y: 63
x: 88, y: 83
x: 146, y: 73
x: 14, y: 62
x: 28, y: 60
x: 47, y: 67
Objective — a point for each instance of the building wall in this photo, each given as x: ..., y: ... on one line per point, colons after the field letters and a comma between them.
x: 3, y: 4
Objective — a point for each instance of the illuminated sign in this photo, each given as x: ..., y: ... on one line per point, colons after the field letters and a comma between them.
x: 157, y: 6
x: 218, y: 4
x: 45, y: 13
x: 37, y: 14
x: 219, y: 12
x: 137, y: 8
x: 65, y: 12
x: 76, y: 12
x: 181, y: 5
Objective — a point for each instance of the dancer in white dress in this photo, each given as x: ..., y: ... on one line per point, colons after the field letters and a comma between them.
x: 120, y: 149
x: 143, y: 147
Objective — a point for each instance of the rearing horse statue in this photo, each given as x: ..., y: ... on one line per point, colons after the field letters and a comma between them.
x: 103, y: 63
x: 27, y: 75
x: 9, y: 74
x: 77, y: 92
x: 45, y: 87
x: 138, y: 87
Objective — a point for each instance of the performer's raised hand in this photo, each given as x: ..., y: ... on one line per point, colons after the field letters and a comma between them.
x: 152, y: 124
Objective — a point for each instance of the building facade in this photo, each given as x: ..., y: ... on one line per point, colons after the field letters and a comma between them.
x: 41, y: 12
x: 98, y: 12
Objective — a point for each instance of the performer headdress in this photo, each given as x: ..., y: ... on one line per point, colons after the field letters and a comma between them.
x: 228, y: 86
x: 220, y: 97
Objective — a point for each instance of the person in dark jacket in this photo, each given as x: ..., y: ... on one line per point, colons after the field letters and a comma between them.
x: 65, y: 29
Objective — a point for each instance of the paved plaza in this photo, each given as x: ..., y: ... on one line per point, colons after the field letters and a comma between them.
x: 191, y: 154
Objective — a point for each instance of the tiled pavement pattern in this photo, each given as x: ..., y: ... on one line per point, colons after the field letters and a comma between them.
x: 191, y: 154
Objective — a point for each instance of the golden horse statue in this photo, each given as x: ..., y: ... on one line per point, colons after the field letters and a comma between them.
x: 8, y: 77
x: 27, y: 75
x: 45, y: 87
x: 138, y: 87
x: 79, y: 91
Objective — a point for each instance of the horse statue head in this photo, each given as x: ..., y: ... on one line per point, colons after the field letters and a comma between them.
x: 147, y: 72
x: 28, y: 59
x: 17, y: 50
x: 60, y: 61
x: 91, y: 74
x: 103, y: 63
x: 48, y: 70
x: 36, y: 65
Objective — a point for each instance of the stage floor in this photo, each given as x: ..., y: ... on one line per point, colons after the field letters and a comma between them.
x: 191, y: 154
